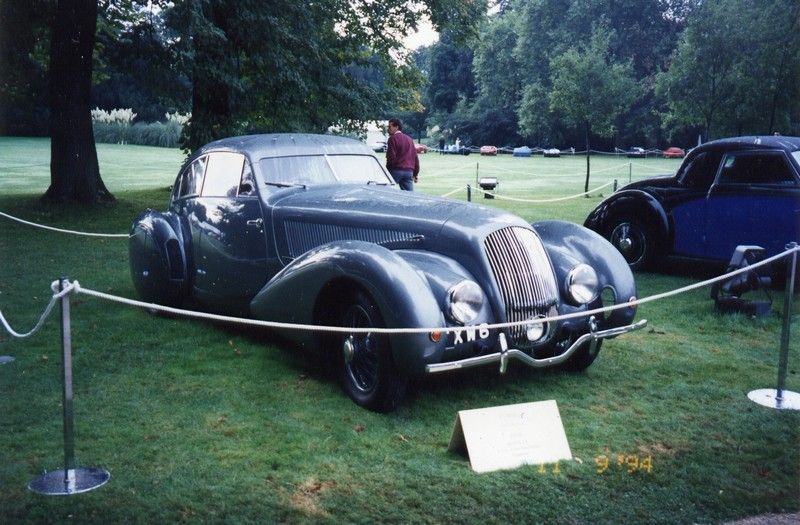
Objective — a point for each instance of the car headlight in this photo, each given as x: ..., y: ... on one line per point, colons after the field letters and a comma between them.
x: 582, y: 284
x: 466, y: 300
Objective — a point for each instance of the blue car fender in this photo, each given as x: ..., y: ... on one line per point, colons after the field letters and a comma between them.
x: 323, y: 277
x: 569, y: 244
x: 635, y: 204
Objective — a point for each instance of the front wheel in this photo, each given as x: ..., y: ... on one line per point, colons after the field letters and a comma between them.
x: 366, y: 368
x: 583, y: 357
x: 634, y: 241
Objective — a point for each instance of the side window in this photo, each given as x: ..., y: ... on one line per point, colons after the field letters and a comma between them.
x: 756, y: 168
x: 223, y: 174
x: 699, y: 171
x: 247, y: 187
x: 191, y: 179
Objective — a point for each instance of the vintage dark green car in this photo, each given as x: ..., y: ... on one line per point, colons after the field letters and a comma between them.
x: 311, y: 229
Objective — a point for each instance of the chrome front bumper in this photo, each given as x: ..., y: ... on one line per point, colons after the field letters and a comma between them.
x: 506, y: 353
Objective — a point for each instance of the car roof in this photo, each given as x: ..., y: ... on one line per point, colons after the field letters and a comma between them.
x: 286, y: 144
x: 753, y: 142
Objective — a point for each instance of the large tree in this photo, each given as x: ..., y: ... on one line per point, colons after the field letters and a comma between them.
x: 285, y: 66
x: 590, y: 90
x: 74, y: 170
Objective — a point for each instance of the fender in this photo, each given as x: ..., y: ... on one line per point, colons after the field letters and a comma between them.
x: 569, y: 244
x: 402, y: 293
x: 633, y: 203
x: 158, y: 258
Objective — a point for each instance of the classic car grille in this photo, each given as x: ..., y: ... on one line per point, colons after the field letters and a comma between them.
x: 524, y: 276
x: 303, y: 236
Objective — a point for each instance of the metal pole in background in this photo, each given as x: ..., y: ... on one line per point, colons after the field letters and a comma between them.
x: 780, y: 398
x: 70, y: 479
x: 469, y: 193
x: 630, y: 172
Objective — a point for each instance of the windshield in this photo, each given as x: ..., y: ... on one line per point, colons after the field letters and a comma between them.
x: 314, y: 170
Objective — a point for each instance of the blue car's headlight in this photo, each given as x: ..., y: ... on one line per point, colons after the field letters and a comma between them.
x: 465, y: 301
x: 582, y: 284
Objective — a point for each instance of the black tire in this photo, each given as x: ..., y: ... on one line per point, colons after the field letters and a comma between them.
x: 366, y: 368
x: 634, y: 240
x: 583, y: 357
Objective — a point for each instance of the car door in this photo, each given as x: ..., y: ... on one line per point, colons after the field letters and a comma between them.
x: 755, y: 200
x: 687, y: 203
x: 230, y: 248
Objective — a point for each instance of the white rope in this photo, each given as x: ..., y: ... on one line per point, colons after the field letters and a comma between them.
x: 540, y: 201
x: 60, y: 230
x: 453, y: 192
x: 340, y: 329
x: 49, y: 308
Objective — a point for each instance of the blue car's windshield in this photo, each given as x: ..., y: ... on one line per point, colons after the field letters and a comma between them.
x: 313, y: 170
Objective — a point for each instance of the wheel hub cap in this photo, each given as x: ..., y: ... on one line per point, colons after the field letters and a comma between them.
x: 349, y: 349
x: 624, y: 244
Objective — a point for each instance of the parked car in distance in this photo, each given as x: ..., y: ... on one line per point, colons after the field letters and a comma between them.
x: 489, y: 150
x: 726, y: 193
x: 421, y: 148
x: 551, y: 152
x: 636, y: 153
x: 452, y: 149
x: 674, y: 153
x: 311, y: 229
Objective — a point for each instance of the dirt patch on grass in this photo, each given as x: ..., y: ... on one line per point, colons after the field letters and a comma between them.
x: 306, y: 497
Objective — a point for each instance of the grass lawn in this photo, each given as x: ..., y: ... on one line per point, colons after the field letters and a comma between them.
x: 203, y: 422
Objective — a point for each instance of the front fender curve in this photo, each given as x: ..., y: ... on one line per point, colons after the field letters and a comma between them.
x: 630, y: 203
x: 569, y: 244
x: 402, y: 294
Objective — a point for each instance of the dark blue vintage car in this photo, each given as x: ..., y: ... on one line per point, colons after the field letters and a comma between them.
x: 311, y: 229
x: 730, y: 192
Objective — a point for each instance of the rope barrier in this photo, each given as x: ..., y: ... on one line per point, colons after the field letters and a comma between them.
x: 540, y: 201
x: 77, y: 288
x: 454, y: 191
x: 49, y: 308
x: 87, y: 234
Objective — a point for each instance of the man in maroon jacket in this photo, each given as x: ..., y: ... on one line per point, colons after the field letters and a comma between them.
x: 401, y: 156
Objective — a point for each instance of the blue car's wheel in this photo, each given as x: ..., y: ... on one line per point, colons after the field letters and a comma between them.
x: 367, y: 369
x: 634, y: 241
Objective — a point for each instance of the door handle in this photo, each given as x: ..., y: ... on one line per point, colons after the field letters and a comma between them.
x: 256, y: 222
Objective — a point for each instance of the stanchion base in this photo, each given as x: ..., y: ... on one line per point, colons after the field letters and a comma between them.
x: 5, y: 359
x: 768, y: 397
x: 55, y: 483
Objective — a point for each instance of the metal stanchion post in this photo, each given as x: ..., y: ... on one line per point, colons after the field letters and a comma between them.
x: 615, y: 185
x: 779, y: 397
x: 469, y: 193
x: 630, y: 172
x: 70, y: 479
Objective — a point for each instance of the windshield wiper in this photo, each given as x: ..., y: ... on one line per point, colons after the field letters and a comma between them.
x: 285, y: 185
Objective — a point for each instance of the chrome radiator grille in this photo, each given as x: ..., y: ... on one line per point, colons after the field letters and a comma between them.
x: 524, y: 276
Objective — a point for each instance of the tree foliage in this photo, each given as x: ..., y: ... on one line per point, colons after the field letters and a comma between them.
x: 279, y: 66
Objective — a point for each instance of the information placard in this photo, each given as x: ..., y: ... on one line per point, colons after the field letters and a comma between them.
x: 510, y: 436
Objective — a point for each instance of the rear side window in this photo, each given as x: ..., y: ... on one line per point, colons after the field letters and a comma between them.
x: 699, y: 171
x: 223, y: 173
x: 191, y: 179
x: 756, y: 168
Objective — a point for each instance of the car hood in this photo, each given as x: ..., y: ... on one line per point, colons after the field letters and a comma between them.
x: 306, y: 218
x: 661, y: 181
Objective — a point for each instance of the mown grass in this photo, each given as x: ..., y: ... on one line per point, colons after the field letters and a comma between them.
x: 202, y: 422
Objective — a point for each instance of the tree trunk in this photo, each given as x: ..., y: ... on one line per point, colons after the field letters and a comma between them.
x: 74, y: 171
x: 212, y: 78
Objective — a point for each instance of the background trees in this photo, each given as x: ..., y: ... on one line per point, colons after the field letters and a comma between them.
x: 503, y: 77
